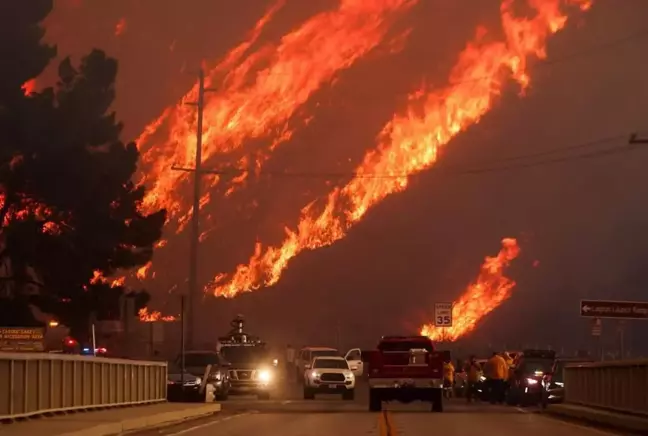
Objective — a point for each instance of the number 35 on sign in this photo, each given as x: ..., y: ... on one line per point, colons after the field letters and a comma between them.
x: 443, y: 314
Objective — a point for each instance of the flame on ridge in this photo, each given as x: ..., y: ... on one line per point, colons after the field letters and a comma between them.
x: 29, y: 87
x: 154, y: 316
x: 259, y: 95
x: 485, y: 294
x: 411, y: 142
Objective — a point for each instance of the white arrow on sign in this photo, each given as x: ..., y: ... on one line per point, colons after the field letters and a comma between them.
x: 586, y: 309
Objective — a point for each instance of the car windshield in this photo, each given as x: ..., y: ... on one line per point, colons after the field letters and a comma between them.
x: 330, y: 363
x: 200, y: 359
x: 530, y: 366
x: 239, y: 355
x: 323, y: 353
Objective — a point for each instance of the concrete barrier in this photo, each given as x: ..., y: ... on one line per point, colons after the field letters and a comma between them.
x: 620, y: 386
x: 40, y: 383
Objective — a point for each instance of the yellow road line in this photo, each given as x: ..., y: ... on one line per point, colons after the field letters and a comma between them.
x: 386, y: 425
x: 382, y: 424
x: 391, y: 426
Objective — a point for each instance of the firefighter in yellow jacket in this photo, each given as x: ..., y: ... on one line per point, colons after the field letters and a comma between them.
x: 473, y: 373
x: 497, y: 371
x: 448, y: 378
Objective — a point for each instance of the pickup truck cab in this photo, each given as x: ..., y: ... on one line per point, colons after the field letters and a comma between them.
x: 307, y: 355
x: 405, y: 369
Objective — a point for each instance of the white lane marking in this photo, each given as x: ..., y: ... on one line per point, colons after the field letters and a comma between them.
x: 286, y: 402
x: 571, y: 424
x: 207, y: 424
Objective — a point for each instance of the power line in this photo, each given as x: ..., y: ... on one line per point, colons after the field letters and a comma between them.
x: 582, y: 156
x: 493, y: 166
x: 633, y: 144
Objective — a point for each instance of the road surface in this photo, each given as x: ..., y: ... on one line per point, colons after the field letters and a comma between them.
x: 289, y: 415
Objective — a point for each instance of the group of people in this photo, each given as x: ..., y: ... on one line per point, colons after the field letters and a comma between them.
x: 496, y: 371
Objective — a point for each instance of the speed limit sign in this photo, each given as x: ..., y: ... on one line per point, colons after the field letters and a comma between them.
x: 443, y: 314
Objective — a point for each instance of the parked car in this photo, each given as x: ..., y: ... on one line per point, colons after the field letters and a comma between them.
x: 196, y: 363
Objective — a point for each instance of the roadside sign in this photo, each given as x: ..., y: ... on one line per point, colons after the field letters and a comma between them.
x: 597, y: 327
x: 614, y: 309
x: 22, y: 339
x: 443, y: 314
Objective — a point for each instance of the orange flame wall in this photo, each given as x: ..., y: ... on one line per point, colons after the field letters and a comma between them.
x: 483, y: 296
x: 259, y: 95
x: 411, y: 141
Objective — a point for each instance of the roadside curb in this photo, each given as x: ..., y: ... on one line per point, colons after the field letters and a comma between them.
x: 147, y: 421
x: 615, y: 420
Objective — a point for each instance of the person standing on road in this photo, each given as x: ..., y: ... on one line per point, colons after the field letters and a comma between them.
x: 448, y: 378
x: 496, y: 374
x: 290, y: 361
x: 473, y: 372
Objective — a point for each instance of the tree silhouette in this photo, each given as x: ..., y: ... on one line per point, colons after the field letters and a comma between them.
x: 68, y: 205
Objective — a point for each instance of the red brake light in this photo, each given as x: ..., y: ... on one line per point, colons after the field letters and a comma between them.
x: 70, y: 342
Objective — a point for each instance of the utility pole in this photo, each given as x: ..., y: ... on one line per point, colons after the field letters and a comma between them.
x: 188, y: 312
x: 189, y: 303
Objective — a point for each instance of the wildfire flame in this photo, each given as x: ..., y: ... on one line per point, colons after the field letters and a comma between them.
x: 98, y: 277
x: 29, y: 87
x: 120, y: 27
x: 259, y: 94
x: 412, y: 141
x: 483, y: 296
x: 155, y: 316
x: 142, y: 272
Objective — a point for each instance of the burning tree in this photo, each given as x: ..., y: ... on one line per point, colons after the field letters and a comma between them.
x: 68, y: 206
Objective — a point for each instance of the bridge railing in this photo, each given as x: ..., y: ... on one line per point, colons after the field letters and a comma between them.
x: 620, y: 386
x: 39, y: 383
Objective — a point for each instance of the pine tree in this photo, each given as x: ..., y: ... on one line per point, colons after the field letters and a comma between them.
x: 68, y: 206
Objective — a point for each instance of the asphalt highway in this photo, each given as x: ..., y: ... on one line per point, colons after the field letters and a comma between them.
x: 287, y: 414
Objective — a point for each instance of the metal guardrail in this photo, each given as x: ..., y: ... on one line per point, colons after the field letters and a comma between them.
x: 40, y: 383
x: 620, y: 386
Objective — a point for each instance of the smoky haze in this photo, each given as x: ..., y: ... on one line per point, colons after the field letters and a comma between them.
x: 583, y: 220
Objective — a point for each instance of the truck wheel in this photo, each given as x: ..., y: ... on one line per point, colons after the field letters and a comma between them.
x: 348, y: 395
x: 437, y: 402
x: 309, y: 394
x: 263, y: 396
x: 375, y: 402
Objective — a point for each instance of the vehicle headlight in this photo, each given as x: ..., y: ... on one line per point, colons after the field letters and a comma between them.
x: 275, y: 362
x: 314, y: 374
x: 264, y: 375
x: 559, y: 384
x: 482, y: 378
x: 198, y: 380
x: 349, y: 375
x: 531, y: 381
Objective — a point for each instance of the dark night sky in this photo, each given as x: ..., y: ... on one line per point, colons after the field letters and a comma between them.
x: 587, y: 218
